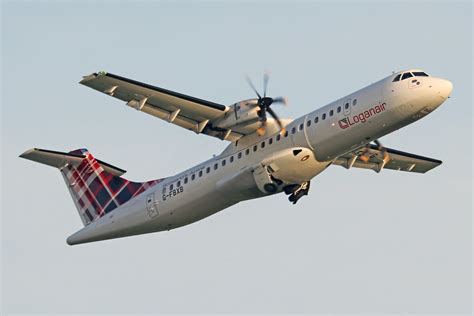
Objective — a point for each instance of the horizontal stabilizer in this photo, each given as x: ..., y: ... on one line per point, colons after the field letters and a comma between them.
x: 60, y: 159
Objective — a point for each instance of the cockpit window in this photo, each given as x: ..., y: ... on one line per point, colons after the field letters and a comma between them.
x: 406, y: 75
x: 397, y: 78
x: 420, y: 74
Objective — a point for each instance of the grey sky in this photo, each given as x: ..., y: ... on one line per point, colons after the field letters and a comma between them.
x: 361, y: 242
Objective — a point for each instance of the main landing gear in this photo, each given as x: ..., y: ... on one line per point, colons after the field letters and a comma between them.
x: 296, y: 191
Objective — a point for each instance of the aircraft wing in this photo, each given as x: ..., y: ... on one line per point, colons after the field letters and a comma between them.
x: 396, y: 160
x: 186, y: 111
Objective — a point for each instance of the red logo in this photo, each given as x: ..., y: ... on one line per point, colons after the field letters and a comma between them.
x: 361, y: 117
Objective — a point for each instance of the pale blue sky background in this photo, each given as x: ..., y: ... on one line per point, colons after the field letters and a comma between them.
x: 361, y: 242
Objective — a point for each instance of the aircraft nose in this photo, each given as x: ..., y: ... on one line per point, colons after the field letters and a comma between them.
x: 444, y: 88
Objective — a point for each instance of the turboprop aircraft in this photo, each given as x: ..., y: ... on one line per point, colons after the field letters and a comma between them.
x: 265, y: 155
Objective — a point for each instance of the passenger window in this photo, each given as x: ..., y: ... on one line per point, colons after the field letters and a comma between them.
x: 231, y: 159
x: 316, y: 119
x: 420, y: 74
x: 185, y: 180
x: 178, y: 184
x: 308, y: 123
x: 200, y: 173
x: 239, y: 155
x: 301, y: 126
x: 338, y: 109
x: 215, y: 166
x: 407, y: 75
x: 208, y: 169
x: 247, y: 151
x: 293, y: 130
x: 278, y: 137
x: 171, y: 187
x: 331, y: 113
x: 262, y: 145
x: 397, y: 78
x: 193, y: 176
x: 286, y: 133
x: 223, y: 163
x: 354, y: 102
x: 324, y: 116
x: 346, y: 106
x: 164, y: 190
x: 270, y: 141
x: 255, y: 148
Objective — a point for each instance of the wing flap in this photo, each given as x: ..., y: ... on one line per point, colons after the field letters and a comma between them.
x: 397, y: 160
x: 127, y: 89
x: 197, y: 126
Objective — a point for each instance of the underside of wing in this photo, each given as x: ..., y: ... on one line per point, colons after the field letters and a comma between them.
x: 186, y: 111
x: 376, y: 159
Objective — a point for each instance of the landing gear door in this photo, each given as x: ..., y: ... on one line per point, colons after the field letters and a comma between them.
x: 263, y: 180
x: 151, y: 205
x: 347, y: 107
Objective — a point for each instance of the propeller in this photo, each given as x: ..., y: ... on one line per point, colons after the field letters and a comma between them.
x: 264, y: 104
x: 366, y: 155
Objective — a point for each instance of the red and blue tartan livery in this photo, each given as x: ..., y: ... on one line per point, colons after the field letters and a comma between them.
x: 97, y: 192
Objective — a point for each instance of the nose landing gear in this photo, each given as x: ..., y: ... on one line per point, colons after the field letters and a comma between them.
x: 297, y: 191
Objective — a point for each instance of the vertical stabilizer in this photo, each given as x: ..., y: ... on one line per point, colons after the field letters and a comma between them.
x: 96, y: 187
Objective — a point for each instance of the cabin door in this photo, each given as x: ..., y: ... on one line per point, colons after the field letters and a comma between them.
x: 347, y: 107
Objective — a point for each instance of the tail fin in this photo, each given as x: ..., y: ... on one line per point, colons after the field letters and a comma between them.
x: 96, y: 187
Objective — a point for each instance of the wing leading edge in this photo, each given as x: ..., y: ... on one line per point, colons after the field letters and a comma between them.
x: 396, y: 160
x: 186, y: 111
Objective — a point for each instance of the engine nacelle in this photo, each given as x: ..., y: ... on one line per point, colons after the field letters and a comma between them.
x: 239, y: 115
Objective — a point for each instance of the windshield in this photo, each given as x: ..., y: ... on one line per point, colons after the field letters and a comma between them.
x: 420, y: 74
x: 406, y: 75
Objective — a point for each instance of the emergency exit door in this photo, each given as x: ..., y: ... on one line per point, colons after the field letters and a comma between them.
x: 151, y: 205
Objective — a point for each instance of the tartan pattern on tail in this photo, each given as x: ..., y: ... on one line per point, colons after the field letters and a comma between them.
x: 97, y: 192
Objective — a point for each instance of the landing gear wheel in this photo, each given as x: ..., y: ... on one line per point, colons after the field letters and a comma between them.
x: 270, y: 187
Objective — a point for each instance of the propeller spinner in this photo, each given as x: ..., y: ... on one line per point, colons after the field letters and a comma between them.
x: 264, y: 104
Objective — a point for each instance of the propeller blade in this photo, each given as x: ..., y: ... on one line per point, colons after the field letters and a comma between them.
x: 262, y: 114
x: 266, y: 77
x: 282, y: 100
x: 275, y: 116
x: 263, y: 127
x: 252, y: 86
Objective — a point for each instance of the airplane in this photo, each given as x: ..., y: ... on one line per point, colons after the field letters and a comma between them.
x: 265, y: 155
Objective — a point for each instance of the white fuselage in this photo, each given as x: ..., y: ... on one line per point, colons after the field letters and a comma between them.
x: 335, y: 129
